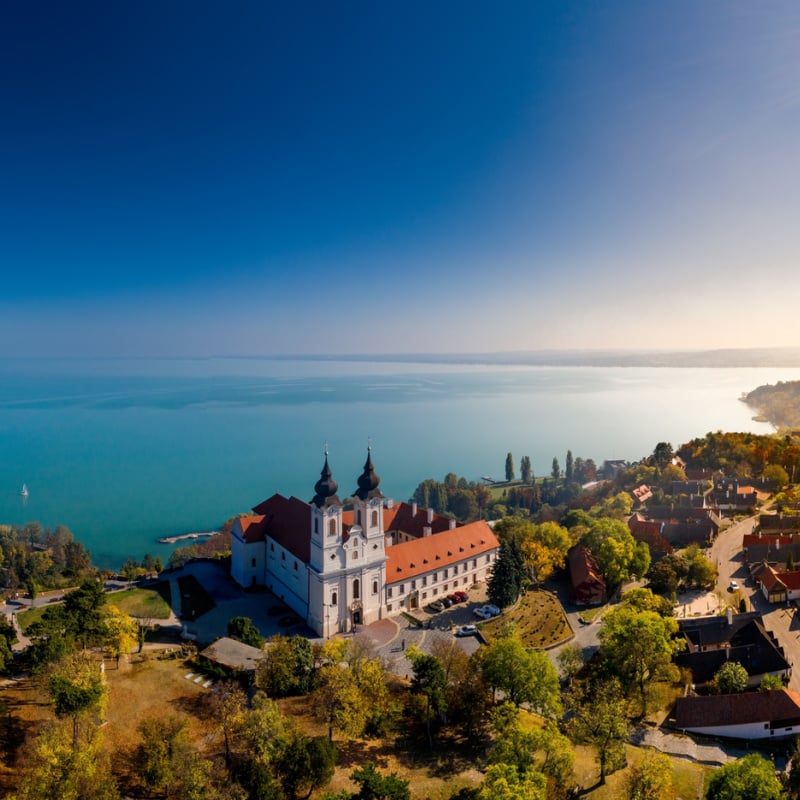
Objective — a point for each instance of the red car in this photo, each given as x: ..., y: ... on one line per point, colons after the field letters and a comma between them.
x: 463, y: 597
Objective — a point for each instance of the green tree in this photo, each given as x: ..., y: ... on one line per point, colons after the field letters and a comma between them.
x: 242, y: 628
x: 651, y: 778
x: 569, y: 467
x: 770, y: 683
x: 644, y: 600
x: 338, y: 701
x: 748, y: 778
x: 430, y: 684
x: 523, y: 675
x: 731, y: 678
x: 228, y: 704
x: 615, y: 549
x: 775, y: 473
x: 287, y: 668
x: 570, y: 661
x: 504, y: 782
x: 509, y: 468
x: 663, y: 454
x: 503, y: 585
x: 164, y: 745
x: 525, y: 470
x: 639, y: 646
x: 598, y: 719
x: 305, y: 764
x: 556, y: 469
x: 374, y: 786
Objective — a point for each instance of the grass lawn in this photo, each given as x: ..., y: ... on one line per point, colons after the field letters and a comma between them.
x: 538, y: 618
x: 27, y: 618
x: 144, y: 603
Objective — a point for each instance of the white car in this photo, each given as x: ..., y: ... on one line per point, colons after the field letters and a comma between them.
x: 482, y: 613
x: 466, y: 630
x: 734, y: 586
x: 493, y: 610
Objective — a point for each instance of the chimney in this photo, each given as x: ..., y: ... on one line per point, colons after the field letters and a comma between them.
x: 430, y: 516
x: 730, y: 616
x: 426, y: 531
x: 452, y: 524
x: 414, y: 509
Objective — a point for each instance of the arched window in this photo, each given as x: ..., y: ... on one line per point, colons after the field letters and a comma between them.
x: 358, y: 517
x: 374, y: 522
x: 374, y: 587
x: 332, y: 528
x: 355, y: 555
x: 316, y: 524
x: 333, y: 599
x: 356, y: 589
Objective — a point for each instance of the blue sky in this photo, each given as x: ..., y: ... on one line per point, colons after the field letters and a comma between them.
x: 256, y: 178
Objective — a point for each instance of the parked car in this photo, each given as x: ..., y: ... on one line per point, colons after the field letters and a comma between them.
x: 446, y: 602
x: 466, y: 630
x: 482, y: 613
x: 463, y: 595
x: 734, y: 586
x: 436, y: 606
x: 493, y: 610
x: 454, y: 598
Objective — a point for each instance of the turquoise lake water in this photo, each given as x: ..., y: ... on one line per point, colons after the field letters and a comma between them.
x: 125, y: 451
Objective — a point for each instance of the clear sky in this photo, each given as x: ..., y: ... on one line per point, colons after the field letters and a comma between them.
x: 199, y: 178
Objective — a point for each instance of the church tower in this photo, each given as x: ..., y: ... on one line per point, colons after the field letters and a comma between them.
x: 326, y: 520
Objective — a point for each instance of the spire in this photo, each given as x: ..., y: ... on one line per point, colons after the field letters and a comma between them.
x: 326, y: 487
x: 368, y: 481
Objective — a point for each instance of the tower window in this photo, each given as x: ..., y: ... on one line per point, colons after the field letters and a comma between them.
x: 356, y: 589
x: 332, y: 528
x: 316, y: 525
x: 333, y: 598
x: 374, y: 587
x: 374, y: 522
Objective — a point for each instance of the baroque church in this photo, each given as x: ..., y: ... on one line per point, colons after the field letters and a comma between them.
x: 339, y: 569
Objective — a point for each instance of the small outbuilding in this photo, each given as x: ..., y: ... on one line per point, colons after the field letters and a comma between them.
x: 233, y: 655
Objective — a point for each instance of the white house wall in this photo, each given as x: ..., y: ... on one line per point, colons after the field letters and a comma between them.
x: 752, y: 730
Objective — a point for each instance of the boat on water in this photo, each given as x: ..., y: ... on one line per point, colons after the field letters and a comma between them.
x: 24, y: 492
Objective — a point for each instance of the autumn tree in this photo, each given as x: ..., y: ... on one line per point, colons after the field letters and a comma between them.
x: 228, y: 704
x: 338, y: 701
x: 163, y: 747
x: 77, y: 688
x: 121, y: 633
x: 287, y: 668
x: 651, y: 778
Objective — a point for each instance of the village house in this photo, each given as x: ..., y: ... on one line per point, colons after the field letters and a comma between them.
x: 749, y: 715
x: 731, y: 494
x: 587, y: 586
x: 778, y: 524
x: 339, y: 569
x: 777, y: 586
x: 759, y: 549
x: 740, y: 638
x: 678, y: 525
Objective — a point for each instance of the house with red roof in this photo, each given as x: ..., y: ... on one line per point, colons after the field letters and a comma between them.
x: 588, y: 587
x: 338, y: 569
x: 749, y: 715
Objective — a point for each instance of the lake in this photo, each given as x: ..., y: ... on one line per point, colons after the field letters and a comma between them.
x: 125, y: 451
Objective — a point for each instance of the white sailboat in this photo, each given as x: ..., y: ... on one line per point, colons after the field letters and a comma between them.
x: 24, y: 491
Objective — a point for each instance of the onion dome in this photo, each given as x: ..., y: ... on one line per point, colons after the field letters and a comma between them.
x: 368, y: 481
x: 326, y: 487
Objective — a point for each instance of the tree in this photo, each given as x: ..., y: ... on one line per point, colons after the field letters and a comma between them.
x: 748, y: 778
x: 375, y: 786
x: 242, y: 628
x: 775, y: 473
x: 663, y: 454
x: 509, y: 468
x: 556, y: 469
x: 504, y: 782
x: 57, y: 768
x: 121, y: 633
x: 731, y: 678
x: 525, y: 470
x: 598, y: 719
x: 164, y: 745
x: 651, y: 778
x: 639, y: 646
x: 524, y: 676
x: 286, y: 669
x: 228, y: 703
x: 503, y: 585
x: 615, y: 549
x: 569, y: 467
x: 338, y: 701
x: 570, y: 660
x: 305, y: 764
x: 85, y: 613
x: 770, y: 682
x: 430, y: 684
x: 77, y: 687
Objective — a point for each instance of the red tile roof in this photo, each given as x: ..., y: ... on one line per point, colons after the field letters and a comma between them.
x: 778, y: 705
x: 251, y: 528
x: 288, y: 522
x: 409, y: 559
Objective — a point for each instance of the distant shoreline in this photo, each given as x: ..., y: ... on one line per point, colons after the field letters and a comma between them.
x: 186, y: 536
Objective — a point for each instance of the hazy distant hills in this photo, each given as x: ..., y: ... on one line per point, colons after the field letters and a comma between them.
x: 755, y: 357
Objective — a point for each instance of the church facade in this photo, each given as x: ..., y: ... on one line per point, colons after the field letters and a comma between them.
x: 338, y: 569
